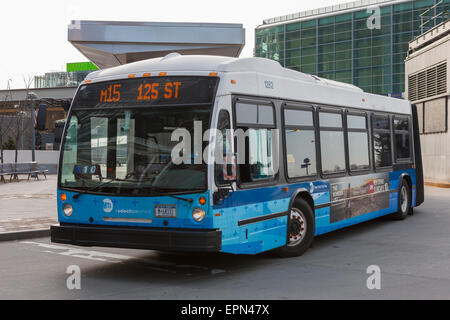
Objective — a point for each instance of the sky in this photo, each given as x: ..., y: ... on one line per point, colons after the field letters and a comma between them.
x: 34, y: 33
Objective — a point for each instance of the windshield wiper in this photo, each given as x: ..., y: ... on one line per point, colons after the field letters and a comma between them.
x: 190, y: 200
x: 76, y: 196
x: 159, y: 194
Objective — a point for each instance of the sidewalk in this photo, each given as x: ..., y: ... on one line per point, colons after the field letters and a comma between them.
x: 27, y: 208
x: 437, y: 184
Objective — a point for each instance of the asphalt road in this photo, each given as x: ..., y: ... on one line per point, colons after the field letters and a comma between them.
x: 413, y: 255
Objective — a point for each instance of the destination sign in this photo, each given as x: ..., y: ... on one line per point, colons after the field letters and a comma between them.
x: 147, y: 91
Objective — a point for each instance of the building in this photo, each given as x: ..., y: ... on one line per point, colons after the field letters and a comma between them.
x: 427, y: 77
x: 74, y: 75
x: 15, y: 115
x: 55, y: 90
x: 364, y: 42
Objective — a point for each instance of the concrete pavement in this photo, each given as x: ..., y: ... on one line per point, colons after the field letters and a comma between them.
x: 27, y: 208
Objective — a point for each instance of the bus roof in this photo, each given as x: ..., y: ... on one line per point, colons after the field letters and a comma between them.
x: 258, y: 76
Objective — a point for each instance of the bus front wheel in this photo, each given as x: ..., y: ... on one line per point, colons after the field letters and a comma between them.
x: 301, y: 229
x: 404, y: 202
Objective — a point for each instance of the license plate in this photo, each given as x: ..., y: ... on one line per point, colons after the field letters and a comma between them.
x: 165, y: 211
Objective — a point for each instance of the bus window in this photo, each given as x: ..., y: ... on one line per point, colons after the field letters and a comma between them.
x: 382, y: 141
x: 260, y: 152
x: 332, y: 143
x: 223, y: 146
x: 254, y: 114
x: 126, y: 133
x: 247, y: 113
x: 300, y: 143
x: 116, y: 149
x: 358, y: 142
x: 70, y: 151
x: 99, y: 143
x: 257, y: 120
x: 401, y: 127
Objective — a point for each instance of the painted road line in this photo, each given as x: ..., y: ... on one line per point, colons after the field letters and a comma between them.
x: 107, y: 257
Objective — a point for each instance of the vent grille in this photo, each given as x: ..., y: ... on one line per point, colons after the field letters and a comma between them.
x: 428, y: 83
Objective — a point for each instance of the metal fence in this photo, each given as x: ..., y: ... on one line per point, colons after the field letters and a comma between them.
x: 15, y: 131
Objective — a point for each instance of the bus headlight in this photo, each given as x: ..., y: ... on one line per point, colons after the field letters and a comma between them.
x: 67, y: 210
x: 198, y: 214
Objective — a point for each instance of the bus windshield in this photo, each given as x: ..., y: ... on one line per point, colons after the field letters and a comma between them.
x: 128, y: 151
x: 119, y: 136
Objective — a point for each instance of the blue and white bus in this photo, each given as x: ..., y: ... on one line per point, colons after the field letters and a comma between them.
x: 315, y: 156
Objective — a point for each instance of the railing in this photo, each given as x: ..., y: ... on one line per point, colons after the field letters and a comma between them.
x: 422, y: 15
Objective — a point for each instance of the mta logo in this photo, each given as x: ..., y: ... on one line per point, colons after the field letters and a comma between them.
x: 108, y: 205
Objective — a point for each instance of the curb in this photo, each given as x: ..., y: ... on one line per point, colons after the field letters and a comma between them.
x: 25, y: 234
x: 437, y: 184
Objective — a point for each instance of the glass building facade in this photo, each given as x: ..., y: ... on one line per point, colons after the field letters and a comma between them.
x: 60, y: 79
x: 75, y: 74
x: 341, y: 46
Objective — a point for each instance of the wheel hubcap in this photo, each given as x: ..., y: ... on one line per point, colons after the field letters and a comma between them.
x: 404, y: 199
x: 297, y: 227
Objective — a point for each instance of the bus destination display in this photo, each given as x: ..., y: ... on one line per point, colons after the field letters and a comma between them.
x: 153, y: 91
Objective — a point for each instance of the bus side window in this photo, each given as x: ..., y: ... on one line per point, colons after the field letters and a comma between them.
x: 382, y: 141
x: 260, y: 152
x: 358, y: 142
x: 223, y: 146
x: 402, y: 145
x: 256, y: 120
x: 332, y: 142
x: 300, y: 143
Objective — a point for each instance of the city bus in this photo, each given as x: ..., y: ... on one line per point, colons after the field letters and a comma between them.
x: 234, y: 155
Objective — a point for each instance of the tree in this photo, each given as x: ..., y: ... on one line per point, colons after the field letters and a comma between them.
x: 10, y: 144
x: 2, y: 130
x: 22, y: 109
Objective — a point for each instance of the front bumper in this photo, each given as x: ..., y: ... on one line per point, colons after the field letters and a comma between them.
x: 138, y: 238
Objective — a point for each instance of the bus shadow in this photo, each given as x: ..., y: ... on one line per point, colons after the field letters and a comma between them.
x: 347, y: 233
x: 153, y: 267
x: 167, y: 267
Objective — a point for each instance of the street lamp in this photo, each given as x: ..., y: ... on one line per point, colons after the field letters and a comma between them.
x: 32, y: 96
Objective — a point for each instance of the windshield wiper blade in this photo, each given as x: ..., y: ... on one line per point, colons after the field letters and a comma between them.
x: 190, y: 200
x: 76, y: 196
x: 159, y: 194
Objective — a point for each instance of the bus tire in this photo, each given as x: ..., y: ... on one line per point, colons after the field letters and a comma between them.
x: 404, y: 202
x: 301, y: 230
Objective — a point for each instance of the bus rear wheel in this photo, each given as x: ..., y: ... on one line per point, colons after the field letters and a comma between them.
x: 404, y: 202
x: 301, y: 229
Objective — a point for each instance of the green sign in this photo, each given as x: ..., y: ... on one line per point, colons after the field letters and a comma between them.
x: 81, y: 66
